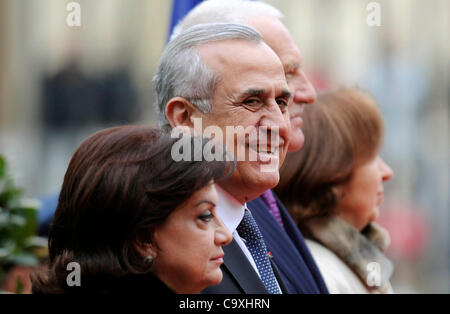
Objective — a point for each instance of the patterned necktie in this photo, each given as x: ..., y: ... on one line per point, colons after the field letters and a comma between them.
x: 248, y: 229
x: 270, y: 200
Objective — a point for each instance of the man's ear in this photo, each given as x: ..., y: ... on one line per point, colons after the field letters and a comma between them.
x: 179, y: 112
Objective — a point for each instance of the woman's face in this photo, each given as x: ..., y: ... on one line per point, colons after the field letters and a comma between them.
x: 363, y: 194
x: 188, y: 251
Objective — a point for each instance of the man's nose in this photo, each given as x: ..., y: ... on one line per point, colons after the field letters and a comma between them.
x: 276, y: 121
x: 304, y: 91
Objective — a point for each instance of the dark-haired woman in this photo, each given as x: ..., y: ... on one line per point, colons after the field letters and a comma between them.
x: 134, y: 220
x: 333, y: 187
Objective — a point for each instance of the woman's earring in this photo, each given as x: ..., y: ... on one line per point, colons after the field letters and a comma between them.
x: 148, y: 259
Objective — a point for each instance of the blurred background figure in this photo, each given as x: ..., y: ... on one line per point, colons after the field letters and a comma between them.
x: 73, y: 103
x: 403, y: 63
x: 333, y: 187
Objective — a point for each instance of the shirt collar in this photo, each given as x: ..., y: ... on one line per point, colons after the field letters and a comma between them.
x: 230, y: 210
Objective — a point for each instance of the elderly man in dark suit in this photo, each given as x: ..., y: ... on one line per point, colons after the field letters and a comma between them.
x: 282, y: 237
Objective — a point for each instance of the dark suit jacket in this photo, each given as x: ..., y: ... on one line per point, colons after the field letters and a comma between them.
x: 290, y: 253
x: 239, y: 277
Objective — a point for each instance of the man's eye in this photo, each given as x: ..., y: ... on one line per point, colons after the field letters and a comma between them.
x: 252, y: 102
x: 206, y: 216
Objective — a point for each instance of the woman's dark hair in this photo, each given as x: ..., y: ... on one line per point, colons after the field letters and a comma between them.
x: 120, y: 184
x: 343, y: 130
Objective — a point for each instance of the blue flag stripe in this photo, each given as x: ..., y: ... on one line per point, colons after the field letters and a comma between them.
x: 179, y: 9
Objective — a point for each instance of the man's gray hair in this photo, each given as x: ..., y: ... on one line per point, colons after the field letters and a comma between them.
x: 181, y: 72
x: 225, y: 11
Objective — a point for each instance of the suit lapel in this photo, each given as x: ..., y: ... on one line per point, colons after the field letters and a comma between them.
x: 241, y: 270
x: 287, y: 256
x: 296, y: 236
x: 281, y: 283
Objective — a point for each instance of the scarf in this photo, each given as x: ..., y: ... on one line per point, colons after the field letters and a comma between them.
x: 362, y: 251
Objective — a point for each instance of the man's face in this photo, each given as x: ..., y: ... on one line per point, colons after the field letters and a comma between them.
x: 278, y: 38
x: 251, y: 92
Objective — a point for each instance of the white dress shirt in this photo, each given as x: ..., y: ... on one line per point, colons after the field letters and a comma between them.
x: 231, y: 211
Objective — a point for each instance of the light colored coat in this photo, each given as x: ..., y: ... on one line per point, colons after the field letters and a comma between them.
x: 350, y: 261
